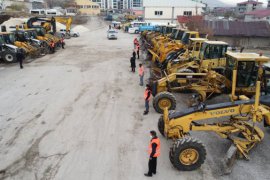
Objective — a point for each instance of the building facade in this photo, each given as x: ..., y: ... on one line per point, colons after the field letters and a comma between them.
x: 88, y: 7
x: 248, y: 6
x: 168, y: 10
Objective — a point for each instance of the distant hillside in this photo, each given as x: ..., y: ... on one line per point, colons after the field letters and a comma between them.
x: 214, y: 3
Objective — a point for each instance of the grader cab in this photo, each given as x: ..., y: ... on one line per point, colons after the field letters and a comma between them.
x: 240, y: 127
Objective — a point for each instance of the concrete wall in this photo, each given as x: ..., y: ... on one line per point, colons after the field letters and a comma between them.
x: 252, y: 42
x: 169, y: 13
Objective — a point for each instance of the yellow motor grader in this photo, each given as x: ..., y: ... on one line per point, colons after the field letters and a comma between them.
x: 239, y: 125
x: 198, y: 56
x: 206, y: 84
x: 165, y: 49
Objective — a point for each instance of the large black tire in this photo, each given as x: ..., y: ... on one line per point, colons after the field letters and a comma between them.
x: 9, y: 57
x: 161, y: 125
x: 187, y: 154
x: 162, y: 100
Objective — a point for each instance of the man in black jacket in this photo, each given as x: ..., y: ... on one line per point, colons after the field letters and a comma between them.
x: 154, y: 152
x: 20, y: 57
x: 133, y: 64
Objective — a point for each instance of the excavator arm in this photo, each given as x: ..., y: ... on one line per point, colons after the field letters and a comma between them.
x: 47, y: 24
x: 66, y: 21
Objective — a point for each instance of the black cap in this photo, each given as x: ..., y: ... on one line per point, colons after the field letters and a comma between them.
x: 153, y: 133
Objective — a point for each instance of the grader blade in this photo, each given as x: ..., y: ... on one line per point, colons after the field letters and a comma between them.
x: 229, y: 159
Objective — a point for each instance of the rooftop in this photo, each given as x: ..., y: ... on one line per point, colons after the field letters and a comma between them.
x: 216, y: 42
x: 259, y: 13
x: 239, y: 28
x: 250, y: 2
x: 172, y: 3
x: 248, y: 56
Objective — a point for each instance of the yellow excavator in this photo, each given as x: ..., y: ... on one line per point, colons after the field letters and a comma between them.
x: 46, y: 29
x: 239, y: 124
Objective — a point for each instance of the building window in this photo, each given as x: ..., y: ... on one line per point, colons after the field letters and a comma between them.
x: 158, y: 13
x: 187, y: 13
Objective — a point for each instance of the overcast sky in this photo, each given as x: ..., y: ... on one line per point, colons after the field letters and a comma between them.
x: 237, y: 1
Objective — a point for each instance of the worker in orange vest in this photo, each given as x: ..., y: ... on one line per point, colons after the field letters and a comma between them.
x: 154, y: 152
x: 141, y: 74
x: 138, y: 50
x: 147, y: 97
x: 52, y: 46
x: 135, y: 42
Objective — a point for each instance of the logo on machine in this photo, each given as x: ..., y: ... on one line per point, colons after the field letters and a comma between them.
x: 226, y: 111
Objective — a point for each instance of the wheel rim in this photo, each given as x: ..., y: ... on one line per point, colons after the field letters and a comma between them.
x: 189, y: 156
x: 163, y: 103
x: 9, y: 57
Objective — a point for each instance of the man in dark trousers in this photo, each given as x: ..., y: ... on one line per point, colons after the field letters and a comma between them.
x: 62, y: 43
x: 154, y: 152
x: 147, y: 96
x: 133, y: 64
x: 134, y: 53
x: 20, y: 57
x: 138, y: 50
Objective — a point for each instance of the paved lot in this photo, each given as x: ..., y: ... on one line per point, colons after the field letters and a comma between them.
x: 77, y: 115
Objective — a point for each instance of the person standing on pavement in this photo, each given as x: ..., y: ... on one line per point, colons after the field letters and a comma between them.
x: 154, y: 152
x: 134, y: 53
x: 138, y: 50
x: 135, y: 42
x: 133, y: 63
x: 20, y: 57
x: 147, y: 96
x: 141, y: 74
x: 52, y: 46
x: 62, y: 43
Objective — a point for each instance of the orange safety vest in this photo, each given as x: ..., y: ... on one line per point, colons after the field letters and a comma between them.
x: 156, y: 141
x: 141, y: 71
x: 135, y: 41
x: 146, y: 93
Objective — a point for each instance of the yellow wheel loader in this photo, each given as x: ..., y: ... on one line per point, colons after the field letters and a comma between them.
x: 207, y: 84
x: 29, y: 50
x: 8, y: 52
x: 240, y: 127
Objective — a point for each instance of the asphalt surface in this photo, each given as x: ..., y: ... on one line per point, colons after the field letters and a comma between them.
x: 77, y: 114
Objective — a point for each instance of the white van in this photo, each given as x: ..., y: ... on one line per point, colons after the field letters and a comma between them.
x: 38, y: 11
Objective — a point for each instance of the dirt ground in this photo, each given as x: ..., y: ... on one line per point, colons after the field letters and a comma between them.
x: 77, y: 114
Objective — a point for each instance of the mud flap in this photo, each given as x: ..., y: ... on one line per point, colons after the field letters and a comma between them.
x: 229, y: 159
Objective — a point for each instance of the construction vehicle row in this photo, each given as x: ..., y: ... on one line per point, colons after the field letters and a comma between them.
x: 205, y: 68
x: 35, y: 37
